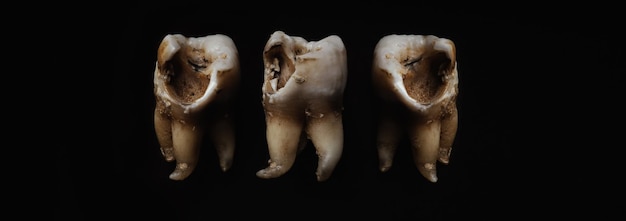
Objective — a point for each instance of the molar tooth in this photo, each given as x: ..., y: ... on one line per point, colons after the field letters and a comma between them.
x: 303, y: 106
x: 424, y: 93
x: 195, y: 81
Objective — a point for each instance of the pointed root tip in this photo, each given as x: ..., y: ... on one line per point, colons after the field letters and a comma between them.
x: 429, y: 171
x: 178, y: 175
x: 384, y: 169
x: 269, y: 172
x: 385, y: 158
x: 225, y: 166
x: 432, y: 178
x: 181, y: 172
x: 321, y: 176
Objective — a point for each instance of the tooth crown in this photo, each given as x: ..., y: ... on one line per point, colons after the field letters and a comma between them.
x: 314, y: 70
x: 200, y: 64
x: 418, y: 70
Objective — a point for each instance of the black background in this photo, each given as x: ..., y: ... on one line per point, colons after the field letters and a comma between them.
x: 535, y: 86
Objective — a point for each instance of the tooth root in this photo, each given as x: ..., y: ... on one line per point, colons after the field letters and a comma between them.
x: 449, y: 126
x: 283, y: 138
x: 163, y: 129
x: 327, y: 136
x: 181, y: 172
x: 222, y: 134
x: 187, y: 138
x: 429, y: 171
x: 388, y: 138
x: 386, y: 153
x: 425, y: 147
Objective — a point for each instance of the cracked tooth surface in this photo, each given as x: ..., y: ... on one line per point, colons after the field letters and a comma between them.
x: 416, y: 79
x: 303, y: 98
x: 195, y: 82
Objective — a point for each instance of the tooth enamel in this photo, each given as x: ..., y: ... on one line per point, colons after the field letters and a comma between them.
x: 307, y: 82
x: 274, y: 84
x: 402, y: 76
x: 195, y: 82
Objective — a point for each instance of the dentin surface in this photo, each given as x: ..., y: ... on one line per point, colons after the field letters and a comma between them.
x: 302, y: 98
x: 195, y: 81
x: 416, y: 78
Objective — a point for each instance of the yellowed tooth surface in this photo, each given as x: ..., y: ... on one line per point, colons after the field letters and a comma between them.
x: 303, y: 91
x: 416, y: 79
x: 196, y: 80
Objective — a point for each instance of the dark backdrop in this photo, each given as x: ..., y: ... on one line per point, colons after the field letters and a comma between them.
x: 527, y: 129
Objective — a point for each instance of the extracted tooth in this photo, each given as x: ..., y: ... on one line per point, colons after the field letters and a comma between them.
x: 303, y: 98
x: 416, y: 79
x: 195, y: 83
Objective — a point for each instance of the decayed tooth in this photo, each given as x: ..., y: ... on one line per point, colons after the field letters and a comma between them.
x: 195, y: 82
x: 304, y: 102
x: 416, y: 78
